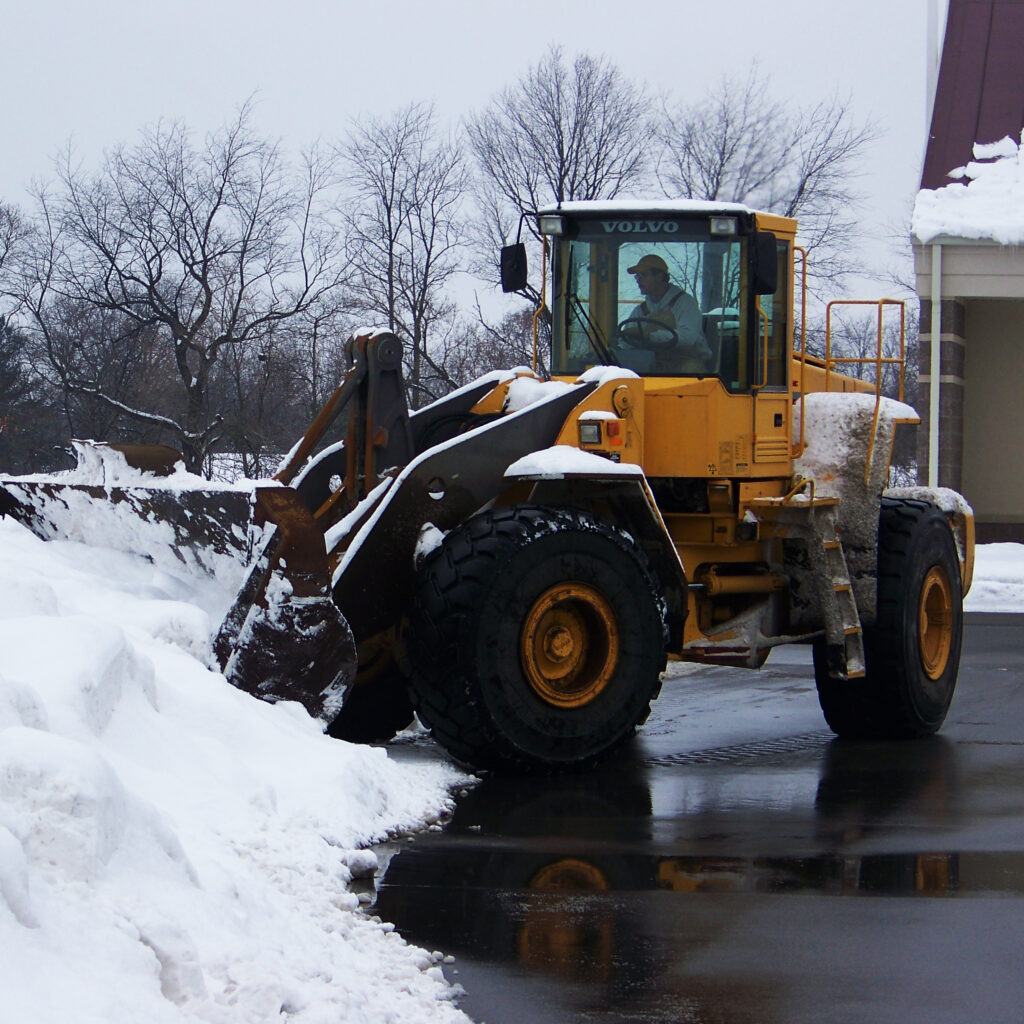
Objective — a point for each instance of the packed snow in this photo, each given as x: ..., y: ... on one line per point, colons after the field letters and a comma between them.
x: 998, y: 579
x: 989, y: 206
x: 173, y: 850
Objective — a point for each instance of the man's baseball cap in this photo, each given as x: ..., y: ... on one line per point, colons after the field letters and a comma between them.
x: 648, y: 263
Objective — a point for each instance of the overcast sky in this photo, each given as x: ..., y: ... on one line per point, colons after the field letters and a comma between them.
x: 100, y: 70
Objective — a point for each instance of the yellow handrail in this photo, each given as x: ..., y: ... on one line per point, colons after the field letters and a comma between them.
x: 763, y: 317
x: 803, y: 340
x: 879, y: 360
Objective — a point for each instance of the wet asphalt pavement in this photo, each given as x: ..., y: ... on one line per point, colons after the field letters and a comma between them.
x: 736, y: 864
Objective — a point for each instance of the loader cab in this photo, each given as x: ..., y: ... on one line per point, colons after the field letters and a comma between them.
x: 734, y: 278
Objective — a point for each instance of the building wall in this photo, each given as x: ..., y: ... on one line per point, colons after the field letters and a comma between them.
x: 993, y: 415
x: 972, y: 269
x: 981, y: 400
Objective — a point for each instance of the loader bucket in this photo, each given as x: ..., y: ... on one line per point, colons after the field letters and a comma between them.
x: 284, y: 638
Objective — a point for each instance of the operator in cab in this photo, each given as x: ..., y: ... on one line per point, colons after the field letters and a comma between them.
x: 668, y: 321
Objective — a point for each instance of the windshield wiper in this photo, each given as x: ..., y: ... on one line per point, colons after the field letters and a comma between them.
x: 590, y: 328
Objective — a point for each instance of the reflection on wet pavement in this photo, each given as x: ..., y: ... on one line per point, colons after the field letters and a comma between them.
x: 789, y: 877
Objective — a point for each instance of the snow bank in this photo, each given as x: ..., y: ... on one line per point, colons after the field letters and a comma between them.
x: 170, y: 848
x: 989, y: 206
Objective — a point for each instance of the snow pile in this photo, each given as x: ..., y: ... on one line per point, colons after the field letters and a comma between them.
x: 170, y: 848
x: 149, y: 515
x: 100, y: 464
x: 989, y: 206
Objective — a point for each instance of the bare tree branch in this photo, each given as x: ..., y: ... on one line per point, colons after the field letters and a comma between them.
x: 405, y: 233
x: 562, y: 132
x: 739, y: 145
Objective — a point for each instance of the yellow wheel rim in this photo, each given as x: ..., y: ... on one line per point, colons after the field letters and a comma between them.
x: 569, y: 645
x: 570, y: 873
x: 557, y: 938
x: 935, y: 622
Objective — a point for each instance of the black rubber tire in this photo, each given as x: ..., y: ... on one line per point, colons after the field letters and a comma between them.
x: 898, y: 699
x: 376, y: 710
x: 475, y: 594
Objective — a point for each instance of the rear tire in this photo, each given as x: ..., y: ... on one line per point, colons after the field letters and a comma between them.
x: 538, y: 639
x: 912, y: 652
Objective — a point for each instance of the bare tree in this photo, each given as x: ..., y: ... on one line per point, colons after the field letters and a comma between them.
x: 12, y: 230
x: 480, y: 346
x: 406, y: 237
x: 208, y: 247
x: 739, y: 145
x: 562, y: 132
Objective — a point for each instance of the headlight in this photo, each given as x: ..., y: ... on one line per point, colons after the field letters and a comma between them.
x: 590, y: 433
x: 552, y: 224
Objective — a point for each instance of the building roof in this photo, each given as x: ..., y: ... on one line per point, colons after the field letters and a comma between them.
x: 980, y: 91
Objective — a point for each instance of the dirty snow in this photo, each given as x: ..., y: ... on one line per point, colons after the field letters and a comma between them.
x: 172, y: 849
x: 951, y: 502
x: 989, y: 206
x: 838, y: 433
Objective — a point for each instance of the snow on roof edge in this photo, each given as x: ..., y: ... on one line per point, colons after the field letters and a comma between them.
x: 988, y: 208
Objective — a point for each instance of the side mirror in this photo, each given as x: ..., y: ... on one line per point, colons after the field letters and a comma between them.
x: 766, y: 264
x: 513, y: 267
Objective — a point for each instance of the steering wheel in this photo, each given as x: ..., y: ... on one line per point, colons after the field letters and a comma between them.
x: 641, y: 337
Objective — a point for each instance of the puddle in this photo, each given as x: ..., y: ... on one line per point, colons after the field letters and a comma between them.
x: 785, y: 878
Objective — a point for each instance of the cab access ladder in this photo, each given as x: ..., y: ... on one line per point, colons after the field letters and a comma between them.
x: 844, y: 635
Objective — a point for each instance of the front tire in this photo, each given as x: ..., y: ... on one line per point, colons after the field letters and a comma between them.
x: 538, y: 639
x: 912, y: 651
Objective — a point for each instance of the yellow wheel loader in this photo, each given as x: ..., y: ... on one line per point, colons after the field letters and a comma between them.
x: 516, y: 561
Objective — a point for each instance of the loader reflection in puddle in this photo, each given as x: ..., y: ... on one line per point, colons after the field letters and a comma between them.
x: 567, y: 879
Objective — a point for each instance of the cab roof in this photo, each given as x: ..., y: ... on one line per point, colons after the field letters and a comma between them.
x: 701, y: 206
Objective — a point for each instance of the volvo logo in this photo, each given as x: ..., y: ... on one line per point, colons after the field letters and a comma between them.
x: 635, y: 227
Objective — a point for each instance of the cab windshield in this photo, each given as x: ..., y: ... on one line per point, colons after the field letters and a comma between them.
x: 660, y: 302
